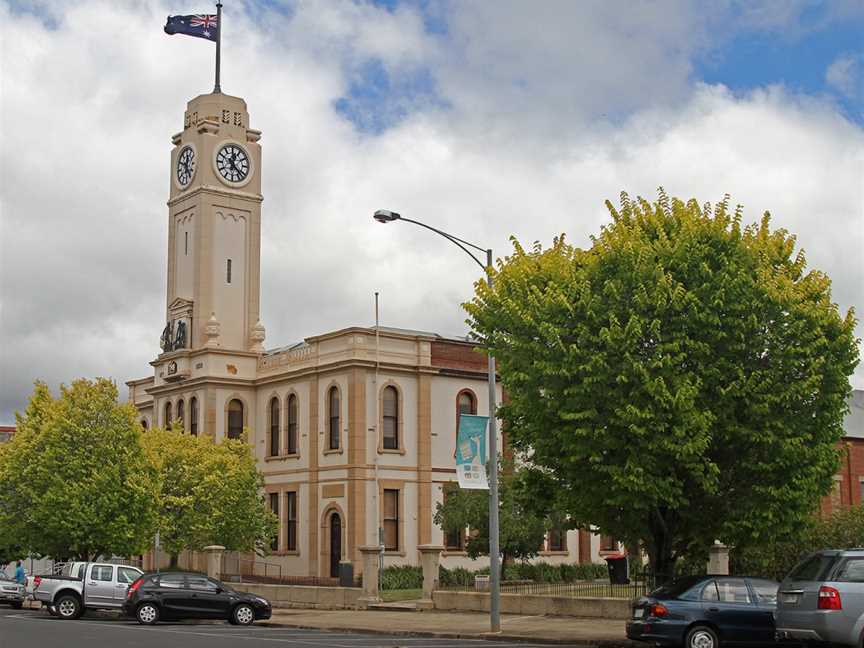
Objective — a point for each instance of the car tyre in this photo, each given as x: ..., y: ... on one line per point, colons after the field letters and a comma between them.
x: 147, y: 614
x: 701, y: 637
x: 242, y: 615
x: 68, y: 607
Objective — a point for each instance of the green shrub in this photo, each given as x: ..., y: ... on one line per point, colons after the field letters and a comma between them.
x: 402, y: 577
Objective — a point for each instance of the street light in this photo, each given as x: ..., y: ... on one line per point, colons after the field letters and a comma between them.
x: 385, y: 216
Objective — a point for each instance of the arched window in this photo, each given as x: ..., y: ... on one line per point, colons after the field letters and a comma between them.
x: 391, y: 418
x: 292, y: 424
x: 235, y: 419
x: 333, y: 401
x: 274, y: 427
x: 181, y: 413
x: 193, y: 416
x: 466, y: 403
x: 144, y: 423
x: 168, y: 416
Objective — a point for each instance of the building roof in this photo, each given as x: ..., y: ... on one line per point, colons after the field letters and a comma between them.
x: 384, y: 330
x: 853, y: 424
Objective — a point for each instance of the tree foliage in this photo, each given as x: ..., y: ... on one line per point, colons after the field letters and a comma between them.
x: 74, y: 481
x: 528, y: 508
x: 684, y: 378
x: 207, y: 493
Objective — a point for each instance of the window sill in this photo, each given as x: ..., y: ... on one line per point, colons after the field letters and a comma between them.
x: 282, y: 457
x: 556, y: 552
x: 454, y: 552
x: 393, y: 451
x: 333, y: 452
x: 388, y: 552
x: 285, y: 553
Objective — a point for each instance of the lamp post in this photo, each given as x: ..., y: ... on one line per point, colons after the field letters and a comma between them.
x: 384, y: 216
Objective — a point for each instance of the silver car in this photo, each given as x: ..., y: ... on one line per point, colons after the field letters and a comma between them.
x: 822, y: 599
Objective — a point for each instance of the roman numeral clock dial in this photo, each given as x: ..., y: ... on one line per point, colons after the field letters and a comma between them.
x: 232, y: 163
x: 185, y: 166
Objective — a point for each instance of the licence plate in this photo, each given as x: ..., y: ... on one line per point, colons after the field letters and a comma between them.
x: 637, y: 613
x: 791, y: 599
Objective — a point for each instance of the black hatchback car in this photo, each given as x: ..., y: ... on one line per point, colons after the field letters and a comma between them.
x: 707, y: 612
x: 183, y: 595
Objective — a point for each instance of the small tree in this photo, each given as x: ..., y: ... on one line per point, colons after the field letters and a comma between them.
x: 74, y: 481
x: 684, y: 379
x: 208, y: 493
x: 527, y: 510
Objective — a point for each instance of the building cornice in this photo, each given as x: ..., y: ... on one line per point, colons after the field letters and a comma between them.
x: 215, y: 191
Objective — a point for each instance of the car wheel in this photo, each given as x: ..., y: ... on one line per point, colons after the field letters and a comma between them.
x: 243, y: 615
x: 147, y: 614
x: 701, y: 637
x: 68, y: 607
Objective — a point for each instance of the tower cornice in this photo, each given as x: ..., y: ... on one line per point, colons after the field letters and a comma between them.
x: 215, y: 191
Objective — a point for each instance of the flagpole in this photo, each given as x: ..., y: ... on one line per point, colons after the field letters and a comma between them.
x: 217, y: 89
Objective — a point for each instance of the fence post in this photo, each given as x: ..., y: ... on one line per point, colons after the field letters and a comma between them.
x: 370, y: 576
x: 214, y: 561
x: 718, y: 559
x: 430, y: 558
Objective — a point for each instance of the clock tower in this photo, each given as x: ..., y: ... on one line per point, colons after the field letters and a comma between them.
x: 214, y: 230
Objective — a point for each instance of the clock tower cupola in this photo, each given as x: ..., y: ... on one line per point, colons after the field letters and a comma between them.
x: 214, y: 229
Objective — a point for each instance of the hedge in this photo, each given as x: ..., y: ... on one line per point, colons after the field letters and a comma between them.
x: 411, y: 577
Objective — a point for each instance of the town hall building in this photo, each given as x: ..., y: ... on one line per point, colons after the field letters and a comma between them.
x: 354, y: 430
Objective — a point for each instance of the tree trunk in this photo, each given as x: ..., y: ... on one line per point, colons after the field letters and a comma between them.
x: 660, y: 554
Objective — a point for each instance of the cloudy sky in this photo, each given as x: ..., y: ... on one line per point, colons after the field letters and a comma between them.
x: 485, y: 118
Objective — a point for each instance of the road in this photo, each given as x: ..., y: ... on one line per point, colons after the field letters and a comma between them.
x: 36, y: 629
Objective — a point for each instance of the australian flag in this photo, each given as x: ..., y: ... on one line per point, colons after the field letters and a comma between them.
x: 199, y: 25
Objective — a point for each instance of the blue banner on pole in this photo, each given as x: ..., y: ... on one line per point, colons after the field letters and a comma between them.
x: 471, y: 452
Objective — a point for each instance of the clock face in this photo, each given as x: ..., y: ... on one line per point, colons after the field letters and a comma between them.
x: 232, y: 162
x: 185, y: 166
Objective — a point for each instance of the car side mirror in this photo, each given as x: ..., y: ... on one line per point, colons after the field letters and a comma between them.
x: 219, y: 590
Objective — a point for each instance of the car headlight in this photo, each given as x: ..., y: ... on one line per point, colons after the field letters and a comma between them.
x: 260, y: 600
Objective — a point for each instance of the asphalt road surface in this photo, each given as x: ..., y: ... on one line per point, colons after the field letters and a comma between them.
x: 36, y: 629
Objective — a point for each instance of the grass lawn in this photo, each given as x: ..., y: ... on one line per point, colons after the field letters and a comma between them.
x: 389, y: 596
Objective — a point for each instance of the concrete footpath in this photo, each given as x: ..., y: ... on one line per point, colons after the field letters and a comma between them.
x: 599, y: 633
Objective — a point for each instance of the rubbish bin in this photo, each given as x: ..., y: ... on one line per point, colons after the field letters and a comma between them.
x: 346, y: 574
x: 619, y: 573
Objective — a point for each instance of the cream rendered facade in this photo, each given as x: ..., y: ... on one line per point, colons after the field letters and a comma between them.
x: 329, y: 490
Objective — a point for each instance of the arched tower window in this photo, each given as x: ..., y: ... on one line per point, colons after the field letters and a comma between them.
x: 235, y: 419
x: 193, y: 416
x: 466, y: 403
x: 292, y: 424
x: 391, y: 418
x: 274, y: 427
x: 144, y: 423
x: 168, y: 414
x: 181, y: 413
x: 335, y: 424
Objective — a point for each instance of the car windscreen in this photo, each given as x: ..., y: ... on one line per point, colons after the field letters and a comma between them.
x: 814, y: 568
x: 677, y: 587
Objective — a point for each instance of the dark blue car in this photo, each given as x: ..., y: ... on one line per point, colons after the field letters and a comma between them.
x: 707, y: 612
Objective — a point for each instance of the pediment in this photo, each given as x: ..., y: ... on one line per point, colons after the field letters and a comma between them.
x: 180, y: 307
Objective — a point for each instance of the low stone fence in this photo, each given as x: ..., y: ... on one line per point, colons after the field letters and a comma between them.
x: 592, y: 608
x: 302, y: 596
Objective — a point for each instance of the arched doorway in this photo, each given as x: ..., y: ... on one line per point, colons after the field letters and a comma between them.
x: 335, y: 543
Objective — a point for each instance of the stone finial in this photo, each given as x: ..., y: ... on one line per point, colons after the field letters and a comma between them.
x: 211, y: 330
x: 257, y: 337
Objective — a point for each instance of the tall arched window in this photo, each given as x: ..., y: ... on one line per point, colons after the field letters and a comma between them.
x: 193, y: 416
x: 235, y: 419
x: 181, y: 413
x: 292, y: 424
x: 466, y: 403
x: 144, y: 424
x: 274, y: 427
x: 168, y: 416
x: 390, y: 413
x: 335, y: 424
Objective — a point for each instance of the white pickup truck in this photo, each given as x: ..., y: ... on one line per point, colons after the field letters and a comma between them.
x: 84, y: 586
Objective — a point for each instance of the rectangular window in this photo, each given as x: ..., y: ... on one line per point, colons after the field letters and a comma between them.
x: 186, y: 243
x: 274, y: 506
x: 852, y: 571
x: 454, y: 540
x: 291, y: 521
x: 292, y: 424
x: 608, y: 543
x: 228, y: 272
x: 126, y: 575
x: 391, y: 520
x: 557, y: 540
x: 104, y: 573
x: 862, y: 490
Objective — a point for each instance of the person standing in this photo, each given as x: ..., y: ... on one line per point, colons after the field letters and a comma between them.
x: 20, y: 576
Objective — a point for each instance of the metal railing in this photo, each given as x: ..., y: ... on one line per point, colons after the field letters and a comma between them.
x: 245, y: 570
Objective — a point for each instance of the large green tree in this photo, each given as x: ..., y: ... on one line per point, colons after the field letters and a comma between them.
x: 74, y: 481
x: 684, y: 378
x: 207, y: 493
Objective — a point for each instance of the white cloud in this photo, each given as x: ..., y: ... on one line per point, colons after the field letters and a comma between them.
x: 87, y: 111
x: 845, y: 75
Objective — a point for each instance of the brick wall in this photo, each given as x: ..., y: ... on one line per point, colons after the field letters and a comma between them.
x: 458, y: 355
x: 848, y: 481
